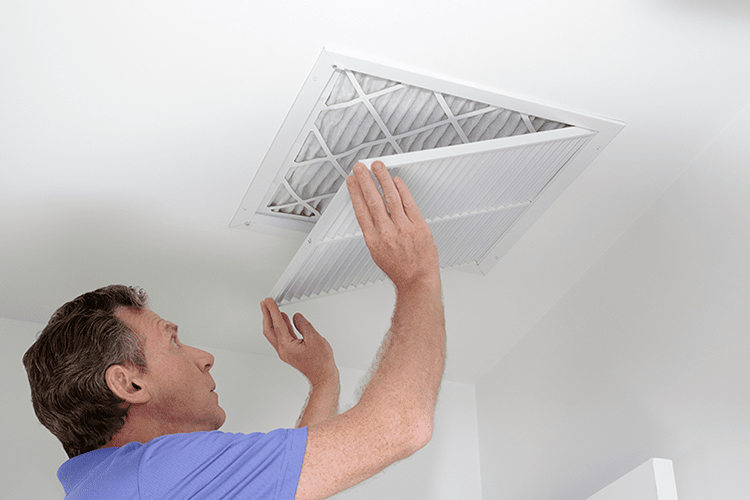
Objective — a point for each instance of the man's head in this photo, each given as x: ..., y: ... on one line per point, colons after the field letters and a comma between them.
x: 176, y: 394
x: 73, y: 366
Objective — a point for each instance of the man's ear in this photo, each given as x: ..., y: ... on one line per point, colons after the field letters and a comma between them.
x: 127, y: 383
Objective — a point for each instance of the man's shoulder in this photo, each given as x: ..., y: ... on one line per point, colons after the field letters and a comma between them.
x: 221, y: 461
x: 191, y: 450
x: 211, y: 439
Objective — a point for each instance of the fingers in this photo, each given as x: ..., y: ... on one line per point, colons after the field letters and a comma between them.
x: 301, y: 323
x: 370, y: 207
x: 407, y: 201
x: 398, y: 237
x: 361, y: 211
x: 367, y: 200
x: 277, y: 332
x: 311, y: 355
x: 391, y: 194
x: 276, y: 325
x: 268, y: 330
x: 304, y: 327
x: 289, y: 328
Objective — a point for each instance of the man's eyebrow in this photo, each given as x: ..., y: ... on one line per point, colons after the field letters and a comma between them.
x: 168, y: 326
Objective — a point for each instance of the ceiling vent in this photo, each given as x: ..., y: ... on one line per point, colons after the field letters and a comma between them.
x: 481, y: 166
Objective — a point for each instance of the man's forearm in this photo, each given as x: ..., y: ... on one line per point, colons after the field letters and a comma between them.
x: 400, y: 398
x: 412, y: 360
x: 322, y: 403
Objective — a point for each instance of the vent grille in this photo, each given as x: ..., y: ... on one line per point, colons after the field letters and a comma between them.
x: 482, y: 166
x: 363, y: 116
x: 471, y: 199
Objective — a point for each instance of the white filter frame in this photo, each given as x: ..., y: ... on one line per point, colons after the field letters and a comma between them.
x: 334, y: 257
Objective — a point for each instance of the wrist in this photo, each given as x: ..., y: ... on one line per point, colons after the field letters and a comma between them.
x: 426, y: 284
x: 329, y: 380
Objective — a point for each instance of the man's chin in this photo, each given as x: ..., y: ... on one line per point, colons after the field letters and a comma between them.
x: 222, y: 418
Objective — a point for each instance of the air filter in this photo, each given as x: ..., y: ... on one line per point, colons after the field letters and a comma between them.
x: 480, y: 165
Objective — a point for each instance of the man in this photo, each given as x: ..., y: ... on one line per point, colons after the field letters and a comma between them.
x: 135, y: 408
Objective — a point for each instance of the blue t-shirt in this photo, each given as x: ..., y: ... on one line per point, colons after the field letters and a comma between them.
x: 197, y: 465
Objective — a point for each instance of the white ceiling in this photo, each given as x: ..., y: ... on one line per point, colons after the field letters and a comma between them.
x: 130, y: 130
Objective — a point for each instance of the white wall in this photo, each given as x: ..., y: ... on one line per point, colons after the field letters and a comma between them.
x: 259, y: 393
x: 652, y: 480
x: 647, y: 355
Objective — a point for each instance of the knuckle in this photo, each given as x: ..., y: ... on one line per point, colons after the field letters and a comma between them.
x: 373, y: 202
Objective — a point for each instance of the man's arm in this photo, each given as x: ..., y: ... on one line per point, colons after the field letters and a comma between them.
x: 311, y: 355
x: 394, y: 416
x: 322, y: 404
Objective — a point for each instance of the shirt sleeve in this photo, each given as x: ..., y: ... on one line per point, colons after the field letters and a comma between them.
x: 223, y: 466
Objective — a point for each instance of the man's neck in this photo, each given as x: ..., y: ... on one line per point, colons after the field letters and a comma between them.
x: 142, y: 430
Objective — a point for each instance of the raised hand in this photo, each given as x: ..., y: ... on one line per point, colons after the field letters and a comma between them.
x: 397, y: 235
x: 312, y: 354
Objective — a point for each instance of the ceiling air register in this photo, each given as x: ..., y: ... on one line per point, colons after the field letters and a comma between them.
x: 481, y: 166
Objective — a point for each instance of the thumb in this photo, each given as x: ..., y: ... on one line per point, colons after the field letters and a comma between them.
x: 304, y: 327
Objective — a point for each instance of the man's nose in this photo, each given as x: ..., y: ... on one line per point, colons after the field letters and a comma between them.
x: 203, y: 359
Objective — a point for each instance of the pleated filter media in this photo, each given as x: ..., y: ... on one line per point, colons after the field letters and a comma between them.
x: 365, y: 116
x: 481, y: 166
